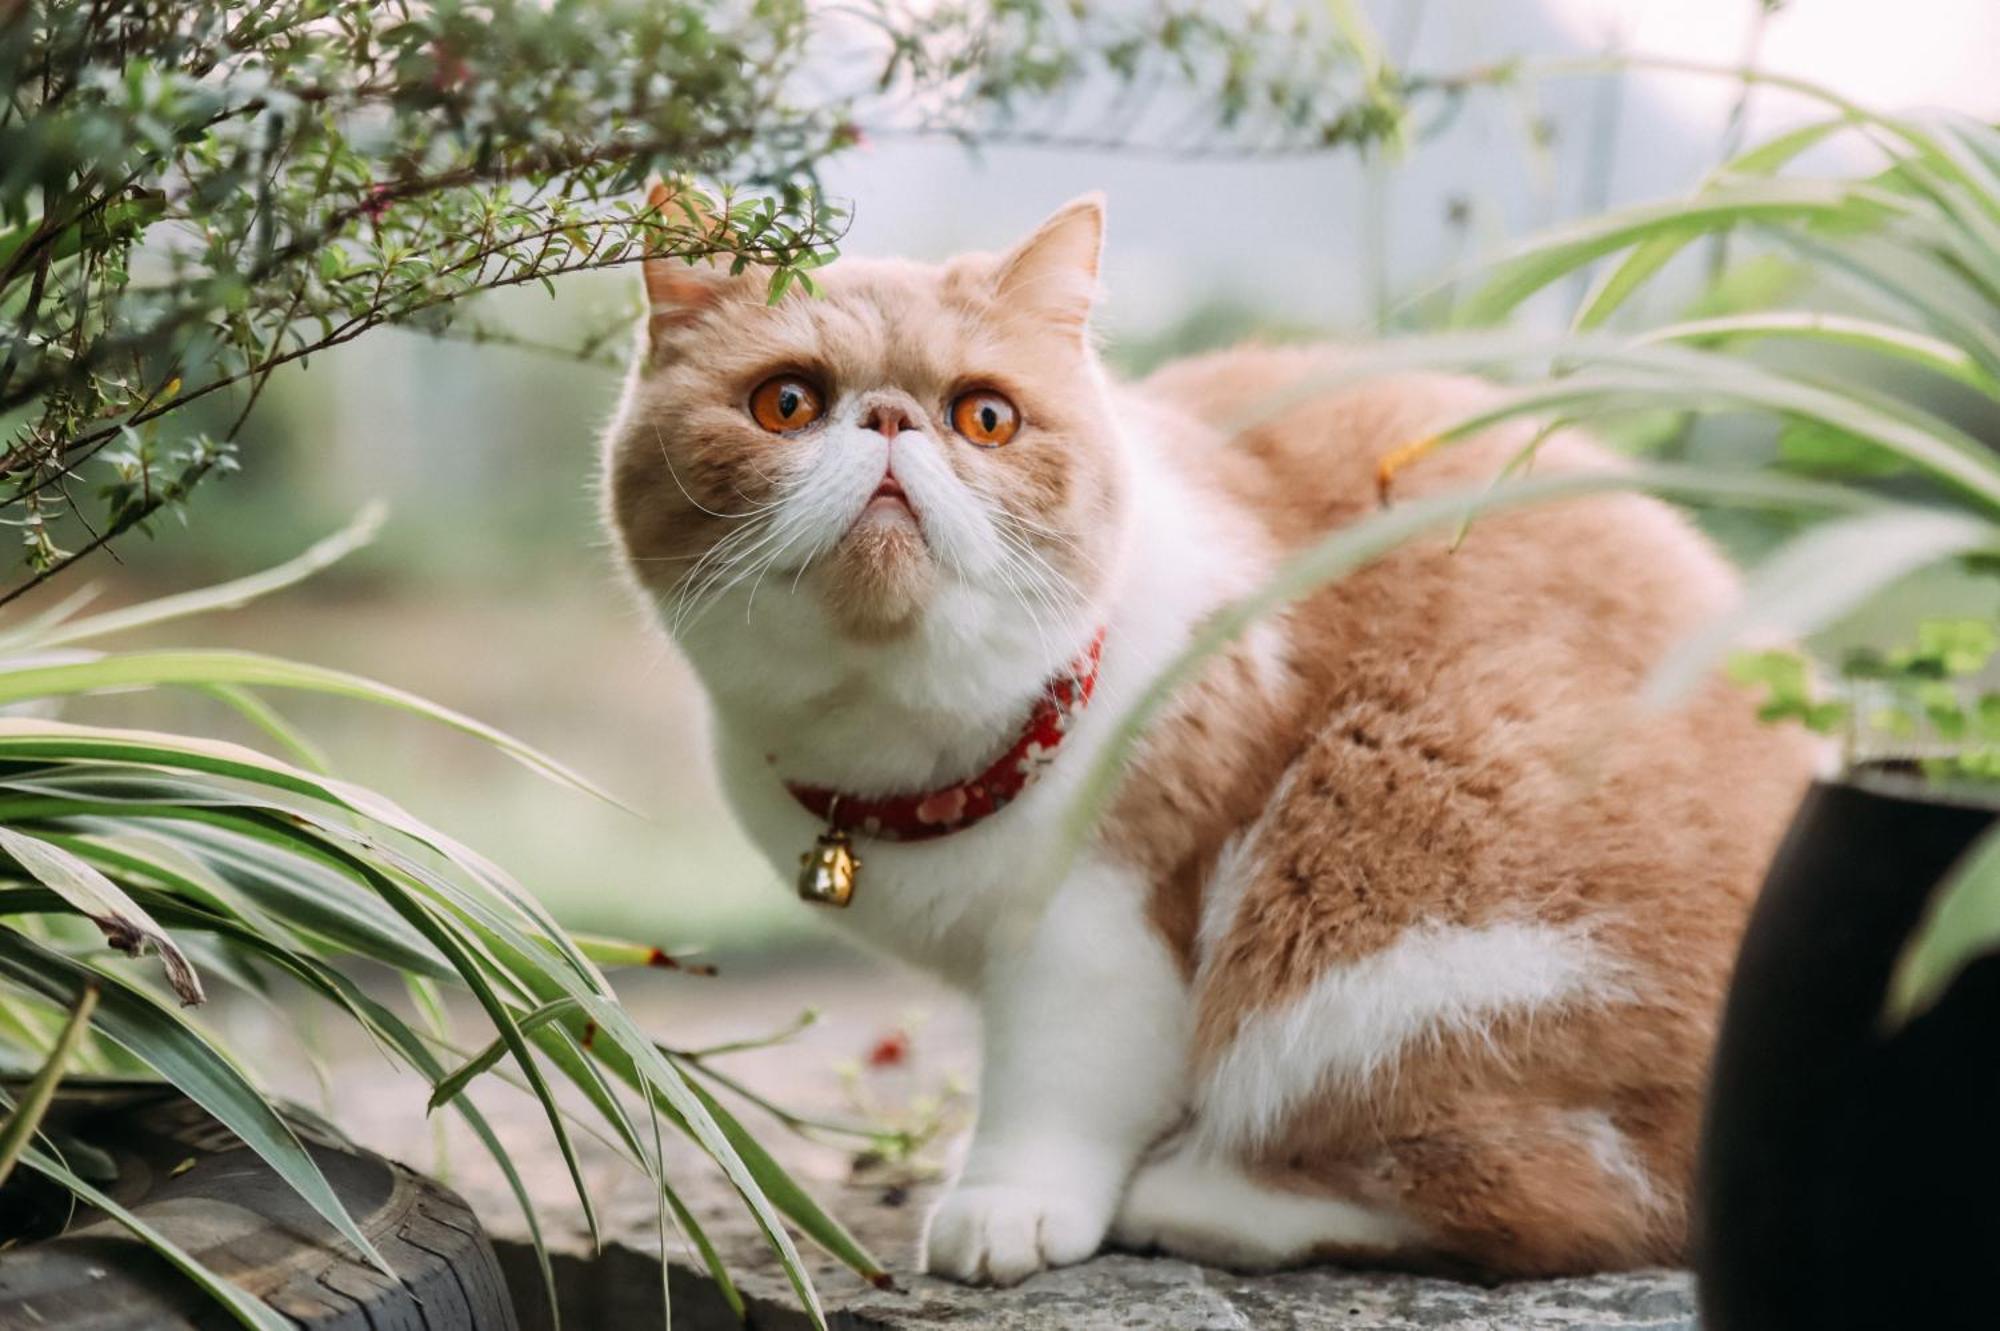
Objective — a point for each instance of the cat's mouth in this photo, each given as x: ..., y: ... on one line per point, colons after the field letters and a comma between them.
x: 889, y: 498
x: 881, y: 574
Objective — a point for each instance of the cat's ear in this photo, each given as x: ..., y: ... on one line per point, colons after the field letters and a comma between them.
x: 1053, y: 273
x: 676, y: 290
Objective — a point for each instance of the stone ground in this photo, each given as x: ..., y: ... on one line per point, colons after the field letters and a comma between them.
x: 923, y: 1043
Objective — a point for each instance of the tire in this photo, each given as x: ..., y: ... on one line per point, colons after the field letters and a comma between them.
x: 191, y: 1178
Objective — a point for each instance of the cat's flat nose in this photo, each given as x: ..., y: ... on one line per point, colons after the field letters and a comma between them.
x: 888, y: 419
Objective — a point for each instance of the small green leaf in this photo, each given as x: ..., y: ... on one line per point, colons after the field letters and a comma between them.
x: 1960, y: 647
x: 1825, y: 450
x: 454, y: 1084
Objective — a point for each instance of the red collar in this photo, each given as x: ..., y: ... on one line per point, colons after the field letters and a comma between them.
x: 935, y: 813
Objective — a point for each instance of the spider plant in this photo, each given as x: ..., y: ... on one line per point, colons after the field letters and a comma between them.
x: 228, y: 864
x: 1913, y: 246
x: 1874, y: 481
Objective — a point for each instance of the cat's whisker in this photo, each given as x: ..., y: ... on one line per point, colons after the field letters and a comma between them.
x: 1030, y: 535
x: 1045, y: 580
x: 1024, y: 595
x: 749, y: 553
x: 708, y: 580
x: 741, y: 565
x: 779, y: 550
x: 667, y: 458
x: 1033, y: 583
x: 689, y: 590
x: 1025, y: 533
x: 1030, y: 525
x: 781, y: 541
x: 1049, y: 578
x: 1030, y: 587
x: 670, y: 559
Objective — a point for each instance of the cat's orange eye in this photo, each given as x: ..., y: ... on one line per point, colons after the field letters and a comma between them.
x: 985, y: 418
x: 785, y: 403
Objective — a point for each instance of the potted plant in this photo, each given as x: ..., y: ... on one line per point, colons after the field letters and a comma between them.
x: 1847, y: 1164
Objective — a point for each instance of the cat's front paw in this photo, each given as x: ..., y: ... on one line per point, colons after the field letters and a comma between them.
x: 1000, y: 1234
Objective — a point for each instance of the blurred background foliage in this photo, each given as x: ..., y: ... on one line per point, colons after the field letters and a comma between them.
x: 491, y: 590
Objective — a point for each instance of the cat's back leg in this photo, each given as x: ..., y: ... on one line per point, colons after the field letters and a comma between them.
x: 1214, y: 1208
x: 1494, y: 1187
x: 1426, y: 1033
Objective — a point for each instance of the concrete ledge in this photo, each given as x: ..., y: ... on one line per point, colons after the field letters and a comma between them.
x: 619, y: 1289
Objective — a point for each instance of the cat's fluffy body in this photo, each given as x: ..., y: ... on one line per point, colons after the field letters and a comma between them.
x: 1403, y: 940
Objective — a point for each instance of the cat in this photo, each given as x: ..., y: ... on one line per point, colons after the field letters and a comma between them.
x: 1402, y: 941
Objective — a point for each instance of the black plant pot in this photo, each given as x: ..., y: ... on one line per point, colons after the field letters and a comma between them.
x: 1849, y: 1178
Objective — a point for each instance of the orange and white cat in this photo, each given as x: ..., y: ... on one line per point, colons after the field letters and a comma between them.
x: 1403, y: 941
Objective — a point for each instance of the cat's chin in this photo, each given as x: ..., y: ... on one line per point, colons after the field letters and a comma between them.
x: 880, y: 577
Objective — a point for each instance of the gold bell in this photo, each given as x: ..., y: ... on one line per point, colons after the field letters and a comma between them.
x: 827, y: 871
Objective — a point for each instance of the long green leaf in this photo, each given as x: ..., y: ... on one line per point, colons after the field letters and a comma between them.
x: 212, y: 669
x: 1553, y: 257
x: 105, y: 905
x: 661, y: 1223
x: 274, y: 893
x: 224, y: 596
x: 632, y: 1057
x: 25, y: 1118
x: 1932, y: 353
x: 257, y: 881
x: 566, y: 1052
x: 1960, y: 140
x: 655, y: 1076
x: 1674, y: 377
x: 293, y: 849
x: 1344, y: 550
x: 289, y: 739
x: 1649, y: 256
x: 393, y: 1031
x: 1817, y: 577
x: 462, y: 955
x: 1909, y: 279
x: 1961, y: 925
x: 381, y: 1023
x: 477, y: 978
x: 309, y: 895
x: 786, y: 1194
x: 44, y: 740
x: 525, y: 967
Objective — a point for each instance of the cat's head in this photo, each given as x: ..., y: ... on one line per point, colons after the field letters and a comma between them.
x: 916, y: 450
